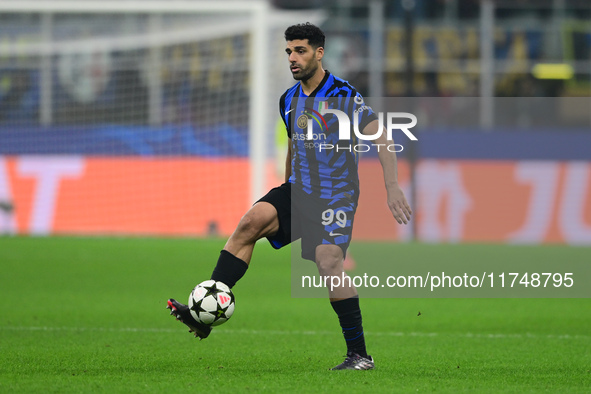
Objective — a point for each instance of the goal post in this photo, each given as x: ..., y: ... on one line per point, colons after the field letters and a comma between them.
x: 139, y: 117
x: 256, y: 10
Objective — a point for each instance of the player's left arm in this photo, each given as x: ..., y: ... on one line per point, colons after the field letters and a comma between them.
x: 396, y: 199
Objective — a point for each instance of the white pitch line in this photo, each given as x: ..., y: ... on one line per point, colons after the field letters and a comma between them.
x: 296, y: 332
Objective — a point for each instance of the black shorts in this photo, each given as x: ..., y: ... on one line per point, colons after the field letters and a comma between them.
x: 315, y: 221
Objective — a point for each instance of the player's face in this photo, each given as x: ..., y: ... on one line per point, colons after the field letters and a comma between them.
x: 303, y: 59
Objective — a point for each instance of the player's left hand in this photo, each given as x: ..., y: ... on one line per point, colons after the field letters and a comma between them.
x: 398, y: 204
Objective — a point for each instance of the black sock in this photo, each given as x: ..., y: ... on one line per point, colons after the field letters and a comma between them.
x: 229, y: 269
x: 349, y: 315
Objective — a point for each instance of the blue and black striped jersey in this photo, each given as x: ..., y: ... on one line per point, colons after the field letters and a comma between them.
x: 324, y: 166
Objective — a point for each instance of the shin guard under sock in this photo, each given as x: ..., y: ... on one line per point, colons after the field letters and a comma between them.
x: 349, y: 315
x: 229, y: 269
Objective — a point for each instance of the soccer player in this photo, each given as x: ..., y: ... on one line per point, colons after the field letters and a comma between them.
x: 318, y: 200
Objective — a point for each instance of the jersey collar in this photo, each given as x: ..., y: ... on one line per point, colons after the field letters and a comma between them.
x: 320, y: 85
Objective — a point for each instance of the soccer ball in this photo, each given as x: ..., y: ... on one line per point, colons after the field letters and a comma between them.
x: 211, y: 303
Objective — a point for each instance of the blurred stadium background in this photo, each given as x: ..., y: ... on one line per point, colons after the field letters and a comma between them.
x: 160, y: 117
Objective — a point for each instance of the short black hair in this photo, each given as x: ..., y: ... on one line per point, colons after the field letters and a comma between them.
x: 304, y: 31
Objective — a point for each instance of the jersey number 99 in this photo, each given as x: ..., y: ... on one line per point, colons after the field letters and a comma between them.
x: 329, y: 216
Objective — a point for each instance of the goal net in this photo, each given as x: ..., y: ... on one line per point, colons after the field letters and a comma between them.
x: 137, y: 117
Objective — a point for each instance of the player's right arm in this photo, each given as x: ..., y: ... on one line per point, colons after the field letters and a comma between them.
x: 288, y: 161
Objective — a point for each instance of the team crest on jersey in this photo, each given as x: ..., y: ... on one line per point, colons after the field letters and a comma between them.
x: 303, y: 121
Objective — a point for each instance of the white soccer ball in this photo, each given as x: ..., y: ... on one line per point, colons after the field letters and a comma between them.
x: 211, y: 303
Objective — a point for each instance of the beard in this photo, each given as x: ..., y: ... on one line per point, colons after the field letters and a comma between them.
x: 305, y: 73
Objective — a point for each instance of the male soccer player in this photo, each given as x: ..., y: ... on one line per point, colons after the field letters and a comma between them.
x: 318, y: 200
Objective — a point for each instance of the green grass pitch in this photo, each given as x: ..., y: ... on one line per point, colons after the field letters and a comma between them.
x: 88, y: 315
